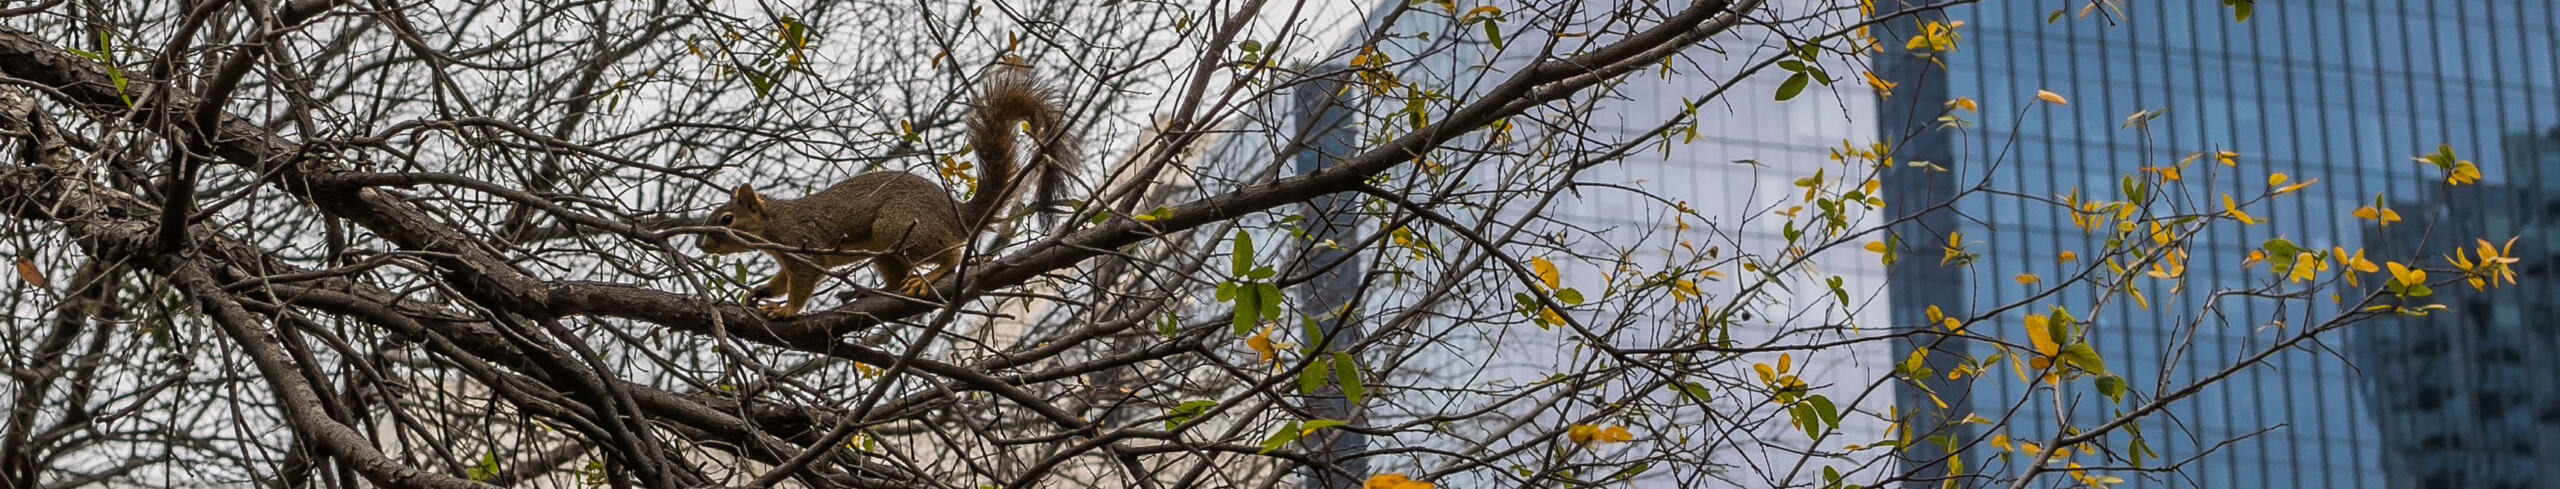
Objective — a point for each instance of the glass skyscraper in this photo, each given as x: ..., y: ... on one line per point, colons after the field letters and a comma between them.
x: 2346, y: 92
x: 2473, y: 400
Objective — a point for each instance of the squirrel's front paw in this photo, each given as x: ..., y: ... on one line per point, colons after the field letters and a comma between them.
x: 778, y: 311
x: 916, y: 286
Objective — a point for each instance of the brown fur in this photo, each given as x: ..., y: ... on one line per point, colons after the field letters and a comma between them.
x: 899, y: 220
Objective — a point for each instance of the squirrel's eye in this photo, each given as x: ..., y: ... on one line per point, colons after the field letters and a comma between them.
x: 725, y: 219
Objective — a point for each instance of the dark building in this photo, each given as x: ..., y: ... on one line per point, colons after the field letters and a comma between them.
x: 2469, y: 397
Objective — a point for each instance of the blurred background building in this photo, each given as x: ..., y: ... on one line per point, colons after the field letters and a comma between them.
x: 1747, y: 154
x: 2346, y: 92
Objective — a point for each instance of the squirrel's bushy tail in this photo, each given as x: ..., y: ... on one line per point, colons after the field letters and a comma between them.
x: 1012, y: 98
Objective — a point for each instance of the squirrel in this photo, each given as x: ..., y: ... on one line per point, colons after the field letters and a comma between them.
x: 897, y: 219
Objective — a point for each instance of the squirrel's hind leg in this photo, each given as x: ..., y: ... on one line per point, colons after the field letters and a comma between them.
x: 895, y: 272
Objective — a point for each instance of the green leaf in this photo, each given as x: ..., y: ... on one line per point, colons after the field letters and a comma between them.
x: 2241, y: 9
x: 1822, y: 406
x: 1171, y: 325
x: 1270, y: 300
x: 2112, y: 387
x: 1805, y: 418
x: 1226, y: 291
x: 1693, y: 391
x: 1250, y: 45
x: 1493, y: 33
x: 1280, y: 438
x: 1570, y: 296
x: 2280, y: 253
x: 487, y: 468
x: 1184, y: 412
x: 1099, y: 216
x: 1346, y: 373
x: 1793, y: 86
x: 763, y: 84
x: 2087, y: 358
x: 1314, y: 376
x: 1242, y: 257
x: 1314, y: 332
x: 1247, y: 313
x: 1838, y: 289
x: 1317, y: 424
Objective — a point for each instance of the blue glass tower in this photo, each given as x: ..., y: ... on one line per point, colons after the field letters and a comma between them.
x: 2343, y: 91
x: 2467, y: 397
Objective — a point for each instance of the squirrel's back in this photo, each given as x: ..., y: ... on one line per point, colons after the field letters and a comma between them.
x: 845, y: 213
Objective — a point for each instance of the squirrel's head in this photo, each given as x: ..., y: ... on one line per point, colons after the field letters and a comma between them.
x: 744, y: 213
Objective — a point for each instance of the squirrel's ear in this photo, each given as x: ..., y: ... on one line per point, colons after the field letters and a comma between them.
x: 747, y: 199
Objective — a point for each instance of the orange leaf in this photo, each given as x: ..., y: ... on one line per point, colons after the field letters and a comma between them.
x: 1393, y: 480
x: 27, y: 271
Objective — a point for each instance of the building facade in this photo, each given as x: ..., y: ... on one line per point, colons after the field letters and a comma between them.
x: 2346, y: 92
x: 2466, y: 397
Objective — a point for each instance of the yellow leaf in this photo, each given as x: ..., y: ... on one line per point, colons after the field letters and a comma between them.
x: 2169, y: 173
x: 2040, y: 332
x: 1965, y: 103
x: 1587, y: 435
x: 1883, y: 88
x: 1683, y: 289
x: 2405, y: 276
x: 2381, y: 216
x: 2228, y: 158
x: 2297, y: 186
x: 1393, y: 480
x: 2305, y: 267
x: 1766, y: 375
x: 2163, y: 234
x: 1936, y: 315
x: 27, y: 271
x: 1260, y: 342
x: 2028, y: 278
x: 2066, y: 256
x: 2463, y: 172
x: 2052, y: 98
x: 1783, y: 361
x: 1935, y: 36
x: 1616, y: 433
x: 1875, y: 246
x: 1546, y: 272
x: 2234, y: 209
x: 2277, y: 178
x: 2355, y: 263
x: 2170, y: 266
